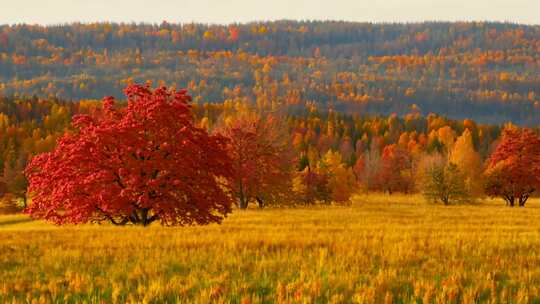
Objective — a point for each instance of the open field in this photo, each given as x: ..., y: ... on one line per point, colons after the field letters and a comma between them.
x: 379, y: 250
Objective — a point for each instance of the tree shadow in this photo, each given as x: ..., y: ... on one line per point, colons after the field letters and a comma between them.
x: 16, y: 221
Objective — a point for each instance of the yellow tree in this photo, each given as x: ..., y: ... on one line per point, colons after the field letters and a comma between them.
x: 341, y: 179
x: 465, y: 157
x: 446, y: 136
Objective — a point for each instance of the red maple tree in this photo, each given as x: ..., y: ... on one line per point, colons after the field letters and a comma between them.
x: 513, y: 170
x: 137, y: 164
x: 395, y: 172
x: 262, y: 159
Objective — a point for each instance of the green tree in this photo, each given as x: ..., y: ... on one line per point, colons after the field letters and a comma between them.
x: 444, y: 182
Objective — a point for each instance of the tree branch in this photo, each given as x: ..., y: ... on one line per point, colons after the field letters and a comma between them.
x: 111, y: 219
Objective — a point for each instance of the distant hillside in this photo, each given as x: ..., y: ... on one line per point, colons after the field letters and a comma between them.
x: 489, y: 72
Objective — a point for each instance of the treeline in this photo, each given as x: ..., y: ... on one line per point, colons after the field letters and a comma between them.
x: 29, y: 127
x: 483, y: 71
x: 316, y: 156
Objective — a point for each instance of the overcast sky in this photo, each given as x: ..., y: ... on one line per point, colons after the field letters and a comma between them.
x: 227, y: 11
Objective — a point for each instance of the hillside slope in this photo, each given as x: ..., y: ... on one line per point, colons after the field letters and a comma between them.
x: 489, y: 72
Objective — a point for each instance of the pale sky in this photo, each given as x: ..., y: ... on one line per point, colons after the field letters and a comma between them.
x: 228, y: 11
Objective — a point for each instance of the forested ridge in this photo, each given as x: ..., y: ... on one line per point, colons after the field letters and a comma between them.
x: 488, y: 72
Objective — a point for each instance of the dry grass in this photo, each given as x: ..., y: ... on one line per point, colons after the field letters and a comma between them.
x: 383, y: 249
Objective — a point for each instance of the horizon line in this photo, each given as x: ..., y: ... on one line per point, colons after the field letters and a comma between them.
x: 380, y: 22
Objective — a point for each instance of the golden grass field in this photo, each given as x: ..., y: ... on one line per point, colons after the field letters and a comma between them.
x: 382, y: 249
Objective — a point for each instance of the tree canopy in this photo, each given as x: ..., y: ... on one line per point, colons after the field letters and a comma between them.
x: 513, y: 170
x: 484, y: 71
x: 138, y: 164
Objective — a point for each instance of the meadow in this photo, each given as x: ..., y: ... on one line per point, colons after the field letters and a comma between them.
x: 381, y: 249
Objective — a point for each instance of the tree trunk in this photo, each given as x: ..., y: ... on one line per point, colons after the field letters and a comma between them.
x: 260, y: 201
x: 242, y: 199
x: 511, y: 201
x: 445, y: 200
x: 144, y: 217
x: 242, y: 202
x: 523, y: 200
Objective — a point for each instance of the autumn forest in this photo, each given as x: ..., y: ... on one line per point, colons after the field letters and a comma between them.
x: 299, y: 161
x: 483, y: 71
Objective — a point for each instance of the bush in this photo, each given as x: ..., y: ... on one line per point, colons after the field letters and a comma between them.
x: 9, y: 205
x: 445, y: 183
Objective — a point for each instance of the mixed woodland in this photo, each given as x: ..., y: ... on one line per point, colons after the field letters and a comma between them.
x: 487, y: 72
x: 312, y: 112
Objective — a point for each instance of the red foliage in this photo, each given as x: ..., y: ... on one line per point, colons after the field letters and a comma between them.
x: 317, y: 188
x: 513, y: 170
x: 395, y: 171
x: 234, y: 33
x: 262, y: 159
x: 138, y: 164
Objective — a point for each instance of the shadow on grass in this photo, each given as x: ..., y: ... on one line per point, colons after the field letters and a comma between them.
x: 15, y: 221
